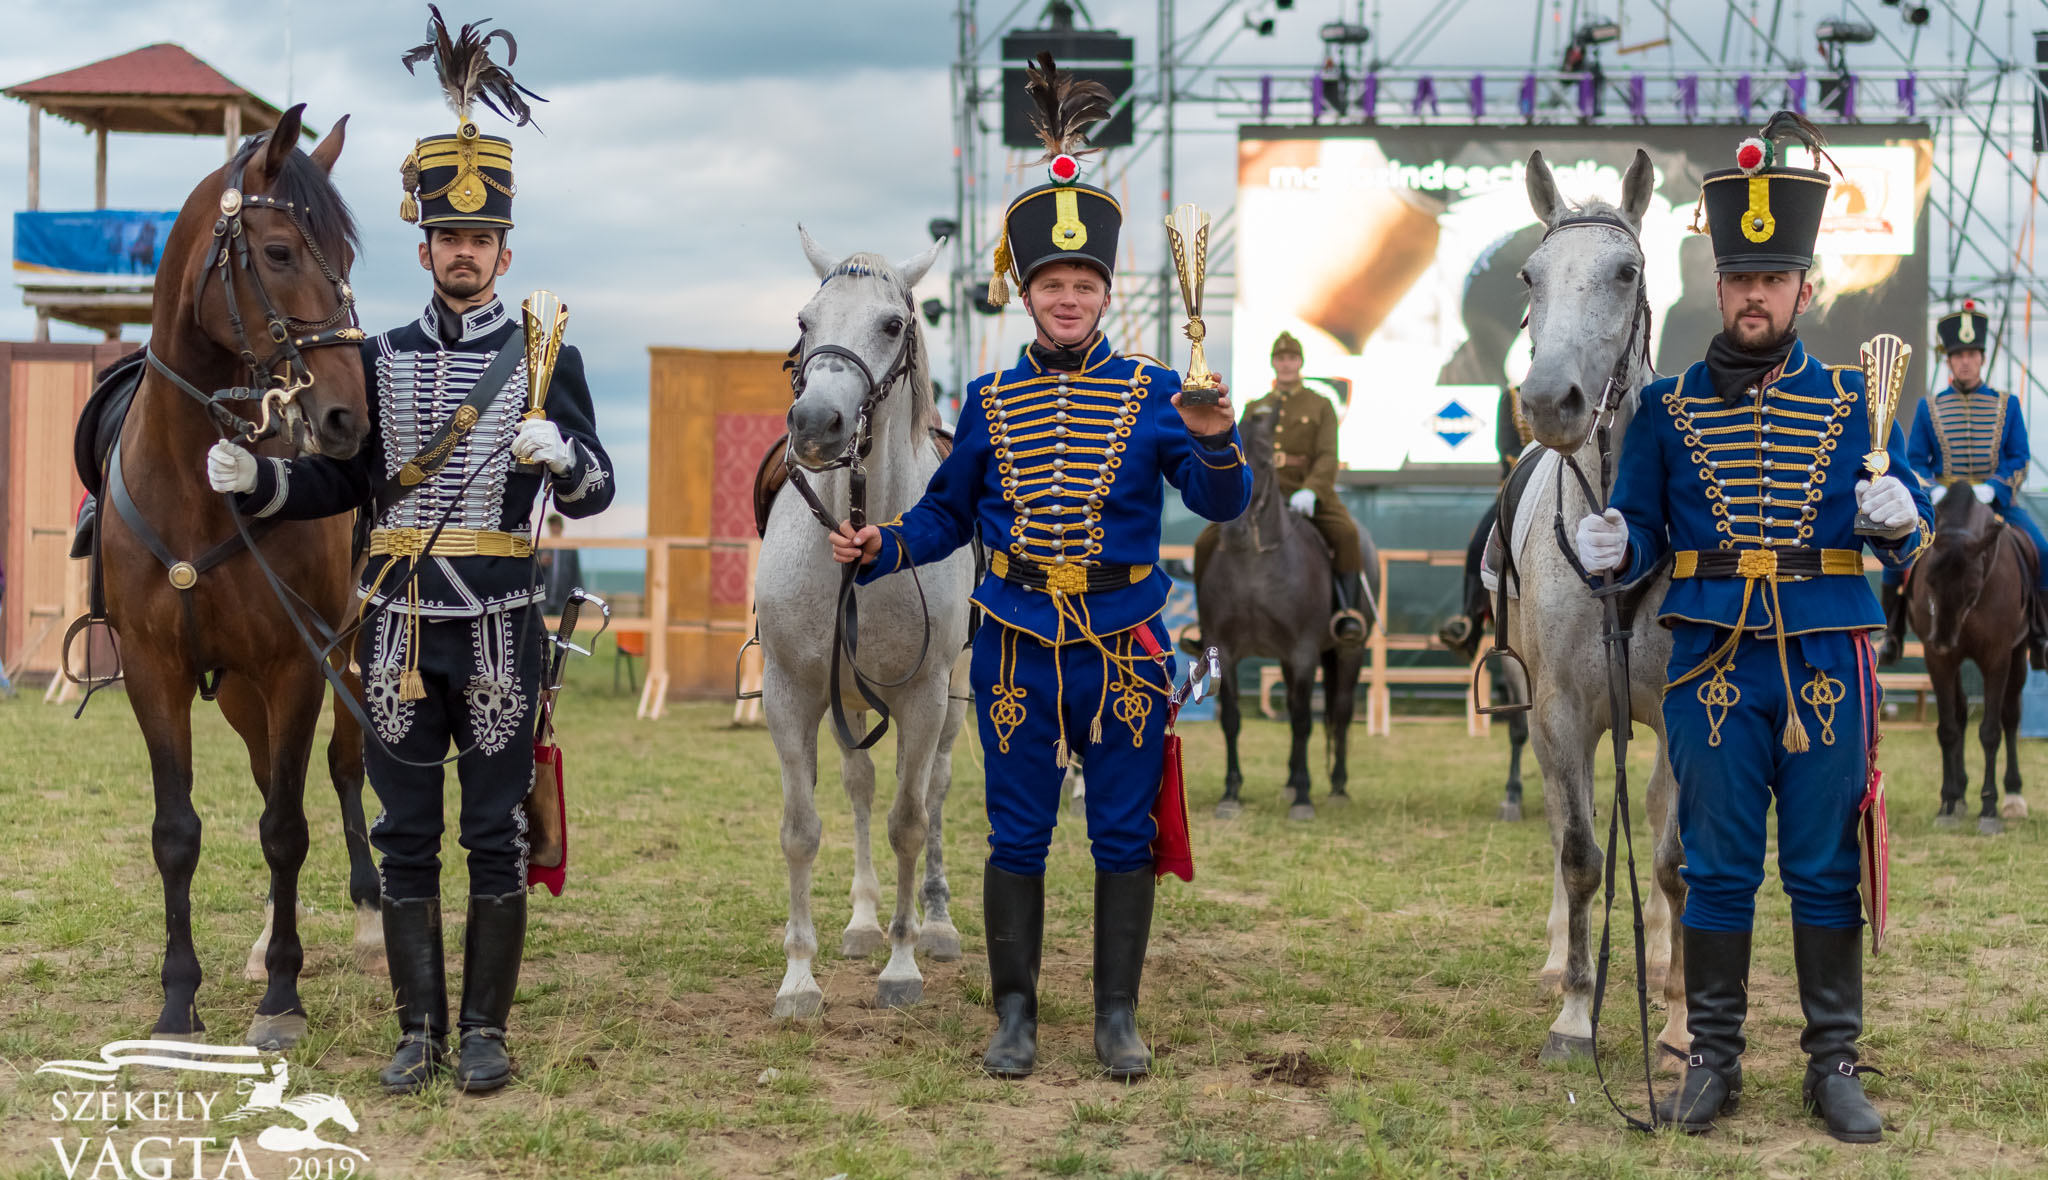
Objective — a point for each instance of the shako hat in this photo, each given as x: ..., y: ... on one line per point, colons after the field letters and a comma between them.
x: 464, y: 180
x: 1763, y: 215
x: 1967, y: 328
x: 1065, y: 220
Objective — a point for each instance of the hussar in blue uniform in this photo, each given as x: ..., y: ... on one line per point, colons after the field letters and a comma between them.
x: 1745, y: 472
x: 1970, y: 431
x: 1059, y: 466
x: 450, y: 645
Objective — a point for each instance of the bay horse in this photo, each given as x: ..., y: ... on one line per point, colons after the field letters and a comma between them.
x: 1265, y: 593
x: 1968, y: 600
x: 253, y: 314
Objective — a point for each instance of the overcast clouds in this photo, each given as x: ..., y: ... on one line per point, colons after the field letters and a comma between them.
x: 683, y: 142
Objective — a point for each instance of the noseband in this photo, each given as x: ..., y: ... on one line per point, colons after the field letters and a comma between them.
x: 276, y: 391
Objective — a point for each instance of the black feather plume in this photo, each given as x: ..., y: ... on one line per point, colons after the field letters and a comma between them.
x: 1066, y: 107
x: 468, y: 75
x: 1786, y: 125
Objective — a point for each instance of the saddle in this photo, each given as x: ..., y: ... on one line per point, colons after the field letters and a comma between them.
x: 99, y: 424
x: 773, y: 473
x: 1500, y: 558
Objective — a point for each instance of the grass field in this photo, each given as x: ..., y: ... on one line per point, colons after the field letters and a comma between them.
x: 1355, y: 997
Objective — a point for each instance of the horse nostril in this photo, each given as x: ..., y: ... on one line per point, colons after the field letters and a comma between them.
x: 339, y: 423
x: 1573, y: 401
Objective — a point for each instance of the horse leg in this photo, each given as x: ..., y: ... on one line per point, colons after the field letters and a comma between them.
x: 937, y: 936
x: 1568, y: 798
x: 793, y: 716
x: 293, y: 705
x: 1952, y: 713
x: 1340, y: 704
x: 1301, y: 703
x: 243, y: 707
x: 917, y: 741
x: 1513, y: 689
x: 162, y: 700
x: 1665, y: 935
x: 1997, y: 670
x: 345, y: 771
x: 863, y: 936
x: 1228, y: 719
x: 2015, y: 805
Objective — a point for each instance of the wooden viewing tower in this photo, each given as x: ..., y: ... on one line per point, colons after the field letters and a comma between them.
x: 155, y: 90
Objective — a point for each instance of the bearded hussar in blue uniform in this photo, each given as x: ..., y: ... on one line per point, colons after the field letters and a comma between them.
x: 1972, y: 432
x: 1744, y: 472
x: 450, y: 644
x: 1059, y: 466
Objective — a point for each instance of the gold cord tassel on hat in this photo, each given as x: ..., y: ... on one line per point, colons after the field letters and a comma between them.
x: 998, y: 282
x: 409, y: 180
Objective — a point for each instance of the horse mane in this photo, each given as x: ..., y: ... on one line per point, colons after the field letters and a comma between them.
x: 309, y: 189
x: 924, y: 411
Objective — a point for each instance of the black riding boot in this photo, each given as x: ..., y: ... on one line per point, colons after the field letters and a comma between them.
x: 1716, y: 1003
x: 2037, y: 628
x: 1348, y: 624
x: 1014, y: 908
x: 1123, y: 925
x: 1894, y: 642
x: 1830, y: 966
x: 419, y: 985
x: 490, y: 975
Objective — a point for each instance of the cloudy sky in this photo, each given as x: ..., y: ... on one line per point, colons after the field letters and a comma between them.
x: 682, y: 143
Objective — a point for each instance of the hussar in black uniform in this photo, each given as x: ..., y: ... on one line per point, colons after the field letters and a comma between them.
x: 450, y: 643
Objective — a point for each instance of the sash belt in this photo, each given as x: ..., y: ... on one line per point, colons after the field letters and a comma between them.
x: 452, y: 542
x: 1779, y: 562
x: 1066, y: 578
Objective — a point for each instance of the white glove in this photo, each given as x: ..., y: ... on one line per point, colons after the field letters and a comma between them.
x: 1603, y: 541
x: 1984, y: 491
x: 1887, y: 502
x: 229, y: 468
x: 1303, y: 501
x: 541, y: 441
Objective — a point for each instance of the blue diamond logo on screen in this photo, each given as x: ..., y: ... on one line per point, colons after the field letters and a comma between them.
x: 1454, y: 423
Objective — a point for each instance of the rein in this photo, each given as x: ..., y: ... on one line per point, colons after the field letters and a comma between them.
x: 846, y: 612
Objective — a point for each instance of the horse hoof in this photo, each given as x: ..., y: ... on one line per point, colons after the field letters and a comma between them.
x: 799, y: 1005
x: 1511, y: 812
x: 899, y: 993
x: 1990, y: 825
x: 940, y: 941
x: 275, y: 1034
x: 1558, y: 1049
x: 1229, y: 809
x: 2014, y: 807
x: 861, y: 941
x: 1302, y: 812
x: 1948, y: 821
x: 1341, y: 798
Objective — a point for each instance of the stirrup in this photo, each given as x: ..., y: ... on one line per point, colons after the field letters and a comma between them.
x: 1364, y: 626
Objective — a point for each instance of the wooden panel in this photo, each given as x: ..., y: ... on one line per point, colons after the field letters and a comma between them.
x: 689, y: 390
x: 45, y: 397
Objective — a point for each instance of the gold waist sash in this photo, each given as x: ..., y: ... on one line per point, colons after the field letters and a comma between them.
x: 452, y: 542
x: 1066, y: 578
x: 1765, y: 563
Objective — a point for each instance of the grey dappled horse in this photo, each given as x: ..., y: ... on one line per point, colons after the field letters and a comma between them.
x: 1265, y: 592
x: 1583, y: 295
x: 864, y: 305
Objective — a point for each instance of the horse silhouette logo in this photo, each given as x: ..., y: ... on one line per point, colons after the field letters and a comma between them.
x: 313, y: 1110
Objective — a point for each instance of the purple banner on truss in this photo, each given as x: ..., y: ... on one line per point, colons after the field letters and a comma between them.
x: 1425, y: 95
x: 1795, y: 89
x: 1689, y: 97
x: 1476, y: 88
x: 1525, y: 102
x: 1265, y: 97
x: 1369, y: 97
x: 1315, y: 96
x: 1745, y: 97
x: 1909, y: 100
x: 1638, y: 98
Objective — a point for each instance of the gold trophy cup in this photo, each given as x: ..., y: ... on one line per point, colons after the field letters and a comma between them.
x: 1884, y: 377
x: 546, y: 319
x: 1198, y: 386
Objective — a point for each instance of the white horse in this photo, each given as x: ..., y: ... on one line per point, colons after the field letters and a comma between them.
x: 863, y: 305
x: 1583, y: 324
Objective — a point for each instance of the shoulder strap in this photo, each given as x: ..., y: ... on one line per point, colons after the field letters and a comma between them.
x: 416, y: 470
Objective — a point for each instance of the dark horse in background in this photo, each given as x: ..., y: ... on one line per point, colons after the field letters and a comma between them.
x: 1266, y: 593
x: 1968, y: 600
x: 1464, y: 633
x: 251, y: 293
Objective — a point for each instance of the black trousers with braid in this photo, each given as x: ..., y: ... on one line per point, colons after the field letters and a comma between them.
x: 477, y: 697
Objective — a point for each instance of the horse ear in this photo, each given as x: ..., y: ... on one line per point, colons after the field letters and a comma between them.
x: 283, y: 138
x: 1543, y: 196
x: 1637, y: 187
x: 821, y: 262
x: 914, y: 269
x: 328, y: 150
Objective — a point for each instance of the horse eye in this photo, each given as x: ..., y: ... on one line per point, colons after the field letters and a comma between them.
x: 801, y: 326
x: 1523, y: 275
x: 277, y: 254
x: 1627, y: 273
x: 893, y: 327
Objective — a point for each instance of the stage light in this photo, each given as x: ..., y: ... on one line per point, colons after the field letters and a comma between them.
x: 1597, y: 32
x: 1844, y: 32
x: 1263, y: 28
x: 933, y: 309
x: 1283, y: 5
x: 1339, y: 32
x: 942, y: 227
x: 1914, y: 14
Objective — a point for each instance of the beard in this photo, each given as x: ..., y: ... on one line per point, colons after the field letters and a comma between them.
x: 462, y: 284
x: 1749, y: 336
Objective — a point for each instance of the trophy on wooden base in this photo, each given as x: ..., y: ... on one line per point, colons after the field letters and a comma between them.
x: 1189, y: 224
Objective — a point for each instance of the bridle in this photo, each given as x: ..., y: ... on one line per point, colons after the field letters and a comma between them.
x: 275, y: 380
x: 846, y: 617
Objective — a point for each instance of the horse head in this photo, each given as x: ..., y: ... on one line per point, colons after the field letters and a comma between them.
x: 1585, y: 293
x: 1958, y: 563
x: 860, y: 338
x: 256, y: 277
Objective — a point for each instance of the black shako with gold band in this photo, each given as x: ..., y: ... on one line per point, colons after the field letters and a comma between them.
x: 464, y: 180
x: 1062, y: 220
x: 1763, y: 215
x: 1967, y: 328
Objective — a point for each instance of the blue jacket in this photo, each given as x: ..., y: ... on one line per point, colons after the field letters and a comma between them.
x: 1691, y: 479
x: 1048, y: 466
x: 1980, y: 436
